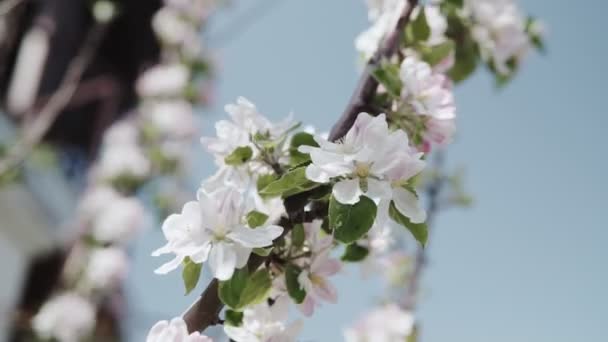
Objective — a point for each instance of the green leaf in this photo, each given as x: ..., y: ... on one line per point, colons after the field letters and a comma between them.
x: 256, y: 218
x: 387, y: 74
x: 230, y: 290
x: 351, y: 222
x: 256, y: 289
x: 437, y: 53
x: 191, y: 273
x: 418, y: 230
x: 295, y: 291
x: 263, y: 251
x: 239, y: 156
x: 465, y: 60
x: 291, y: 183
x: 534, y: 33
x: 354, y: 253
x: 419, y: 27
x: 457, y: 3
x: 298, y: 235
x: 233, y: 318
x: 301, y: 139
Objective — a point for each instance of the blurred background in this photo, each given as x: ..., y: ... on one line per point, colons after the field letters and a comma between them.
x: 526, y: 262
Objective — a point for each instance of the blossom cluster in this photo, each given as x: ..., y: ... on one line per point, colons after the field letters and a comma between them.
x: 149, y: 142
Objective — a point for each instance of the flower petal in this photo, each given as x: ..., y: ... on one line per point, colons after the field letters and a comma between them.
x: 222, y: 261
x: 407, y: 203
x: 253, y: 238
x: 170, y: 266
x: 347, y: 191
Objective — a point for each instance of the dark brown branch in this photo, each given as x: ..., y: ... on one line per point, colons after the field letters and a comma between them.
x: 204, y: 312
x: 34, y: 131
x: 367, y: 85
x: 409, y: 300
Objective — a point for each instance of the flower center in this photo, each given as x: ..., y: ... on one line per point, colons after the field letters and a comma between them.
x: 362, y: 169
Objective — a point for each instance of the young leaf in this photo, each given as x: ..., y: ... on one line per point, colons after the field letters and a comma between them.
x: 230, y: 290
x: 295, y: 291
x: 262, y: 251
x: 233, y: 318
x: 465, y: 60
x: 256, y: 218
x: 351, y: 222
x: 256, y: 289
x: 291, y: 183
x: 418, y: 230
x: 420, y: 30
x: 300, y: 139
x: 239, y: 156
x: 354, y: 253
x: 191, y: 273
x: 388, y: 75
x: 437, y: 53
x: 297, y: 235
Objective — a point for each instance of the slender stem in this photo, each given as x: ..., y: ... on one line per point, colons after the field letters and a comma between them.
x: 205, y: 311
x: 433, y: 191
x: 34, y: 132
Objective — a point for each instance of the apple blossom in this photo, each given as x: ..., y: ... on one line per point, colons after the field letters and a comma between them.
x: 427, y: 92
x: 171, y: 26
x: 370, y: 160
x: 384, y: 15
x: 313, y: 279
x: 173, y: 119
x: 118, y: 221
x: 500, y: 30
x: 174, y: 331
x: 163, y: 80
x: 67, y: 317
x: 107, y: 267
x: 385, y: 324
x: 212, y: 229
x: 122, y: 160
x: 265, y: 323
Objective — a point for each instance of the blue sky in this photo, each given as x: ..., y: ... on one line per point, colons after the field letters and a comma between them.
x: 527, y: 262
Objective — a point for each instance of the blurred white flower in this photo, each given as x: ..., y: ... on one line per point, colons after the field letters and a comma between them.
x: 122, y: 160
x: 119, y: 221
x: 174, y: 331
x: 163, y: 80
x: 67, y: 318
x: 107, y: 267
x: 264, y: 323
x: 172, y: 118
x: 212, y: 228
x: 385, y: 324
x: 171, y: 26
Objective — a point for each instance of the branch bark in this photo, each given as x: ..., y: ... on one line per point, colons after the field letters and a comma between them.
x: 205, y: 311
x: 34, y: 132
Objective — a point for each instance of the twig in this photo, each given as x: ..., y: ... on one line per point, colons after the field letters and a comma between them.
x: 433, y: 191
x: 34, y: 132
x: 204, y: 312
x: 8, y: 5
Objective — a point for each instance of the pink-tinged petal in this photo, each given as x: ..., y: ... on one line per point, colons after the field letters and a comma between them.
x: 157, y: 330
x: 326, y: 291
x: 239, y: 333
x: 329, y: 267
x: 347, y: 191
x: 280, y: 309
x: 222, y: 261
x: 307, y: 307
x: 407, y: 203
x: 378, y: 189
x: 170, y: 266
x: 254, y: 238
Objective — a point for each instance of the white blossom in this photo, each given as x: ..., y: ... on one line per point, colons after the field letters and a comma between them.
x: 500, y: 30
x: 122, y: 132
x: 119, y: 221
x: 246, y: 122
x: 174, y: 331
x: 67, y: 317
x: 95, y: 199
x: 172, y: 118
x: 385, y: 324
x: 213, y: 229
x: 314, y: 280
x: 107, y: 267
x: 171, y: 26
x: 384, y: 15
x: 264, y: 323
x: 426, y: 91
x: 122, y: 160
x: 163, y: 80
x: 369, y: 160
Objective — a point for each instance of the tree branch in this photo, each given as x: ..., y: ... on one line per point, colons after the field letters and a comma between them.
x: 34, y: 132
x: 204, y: 312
